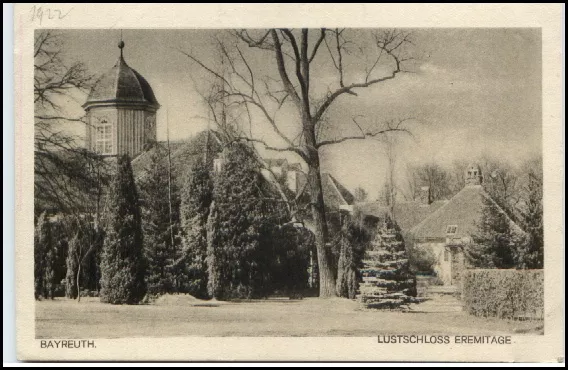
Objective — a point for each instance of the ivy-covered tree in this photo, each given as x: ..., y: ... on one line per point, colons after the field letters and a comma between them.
x: 196, y: 198
x: 39, y: 237
x: 123, y: 265
x: 44, y: 259
x: 160, y: 204
x: 72, y: 268
x: 213, y: 255
x: 495, y: 243
x: 290, y: 261
x: 388, y: 281
x: 247, y: 210
x: 83, y: 258
x: 61, y: 247
x: 353, y: 244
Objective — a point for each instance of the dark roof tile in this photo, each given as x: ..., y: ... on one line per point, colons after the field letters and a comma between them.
x: 122, y: 84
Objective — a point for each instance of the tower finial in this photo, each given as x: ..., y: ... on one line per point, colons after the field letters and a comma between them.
x: 121, y: 44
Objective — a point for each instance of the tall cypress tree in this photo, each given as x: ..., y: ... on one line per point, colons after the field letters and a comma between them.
x: 197, y: 195
x: 122, y: 265
x: 160, y: 222
x: 246, y: 213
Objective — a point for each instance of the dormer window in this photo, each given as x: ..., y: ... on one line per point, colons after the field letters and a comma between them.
x: 451, y: 229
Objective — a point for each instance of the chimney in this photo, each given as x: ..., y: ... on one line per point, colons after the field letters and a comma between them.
x: 424, y: 195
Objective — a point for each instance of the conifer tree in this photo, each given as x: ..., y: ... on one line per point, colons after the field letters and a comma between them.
x: 387, y: 279
x: 530, y: 254
x: 160, y: 221
x: 122, y: 265
x: 197, y: 195
x: 494, y: 245
x: 247, y: 212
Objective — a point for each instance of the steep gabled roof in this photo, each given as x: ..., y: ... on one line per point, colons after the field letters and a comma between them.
x: 463, y: 210
x: 407, y: 214
x: 334, y: 193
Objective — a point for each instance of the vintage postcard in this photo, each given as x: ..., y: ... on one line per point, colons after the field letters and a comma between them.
x: 361, y: 183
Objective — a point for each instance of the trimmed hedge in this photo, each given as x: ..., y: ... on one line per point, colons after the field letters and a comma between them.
x: 507, y: 294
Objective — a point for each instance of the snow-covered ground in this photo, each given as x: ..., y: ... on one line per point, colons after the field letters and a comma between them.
x: 188, y: 316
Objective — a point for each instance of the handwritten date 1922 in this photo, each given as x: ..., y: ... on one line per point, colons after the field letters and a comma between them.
x: 39, y: 13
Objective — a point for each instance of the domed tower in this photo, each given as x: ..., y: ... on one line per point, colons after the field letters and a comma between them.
x: 473, y: 175
x: 121, y: 112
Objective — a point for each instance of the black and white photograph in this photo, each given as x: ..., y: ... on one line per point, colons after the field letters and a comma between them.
x: 362, y: 182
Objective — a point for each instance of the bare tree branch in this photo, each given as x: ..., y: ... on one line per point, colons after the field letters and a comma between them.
x: 317, y: 45
x: 368, y: 134
x: 292, y: 149
x: 205, y: 67
x: 282, y: 70
x: 390, y: 43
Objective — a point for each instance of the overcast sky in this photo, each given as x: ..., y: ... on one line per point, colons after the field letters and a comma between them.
x: 473, y: 92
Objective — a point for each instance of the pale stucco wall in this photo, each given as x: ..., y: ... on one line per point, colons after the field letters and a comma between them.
x: 443, y: 266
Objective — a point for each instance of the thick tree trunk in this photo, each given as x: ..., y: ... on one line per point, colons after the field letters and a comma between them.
x: 325, y: 268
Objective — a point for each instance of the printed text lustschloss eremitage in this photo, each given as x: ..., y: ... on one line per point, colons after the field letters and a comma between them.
x: 443, y: 339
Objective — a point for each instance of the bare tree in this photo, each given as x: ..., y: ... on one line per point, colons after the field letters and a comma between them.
x: 59, y: 161
x: 458, y: 169
x: 412, y: 185
x: 68, y: 179
x: 435, y: 177
x: 293, y: 56
x: 389, y: 192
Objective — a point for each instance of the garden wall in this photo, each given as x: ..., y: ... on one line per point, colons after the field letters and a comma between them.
x: 510, y: 294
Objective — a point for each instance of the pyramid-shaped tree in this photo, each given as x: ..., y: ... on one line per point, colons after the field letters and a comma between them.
x: 387, y: 279
x: 122, y: 264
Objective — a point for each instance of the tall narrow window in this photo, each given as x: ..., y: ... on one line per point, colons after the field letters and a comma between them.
x: 103, y: 138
